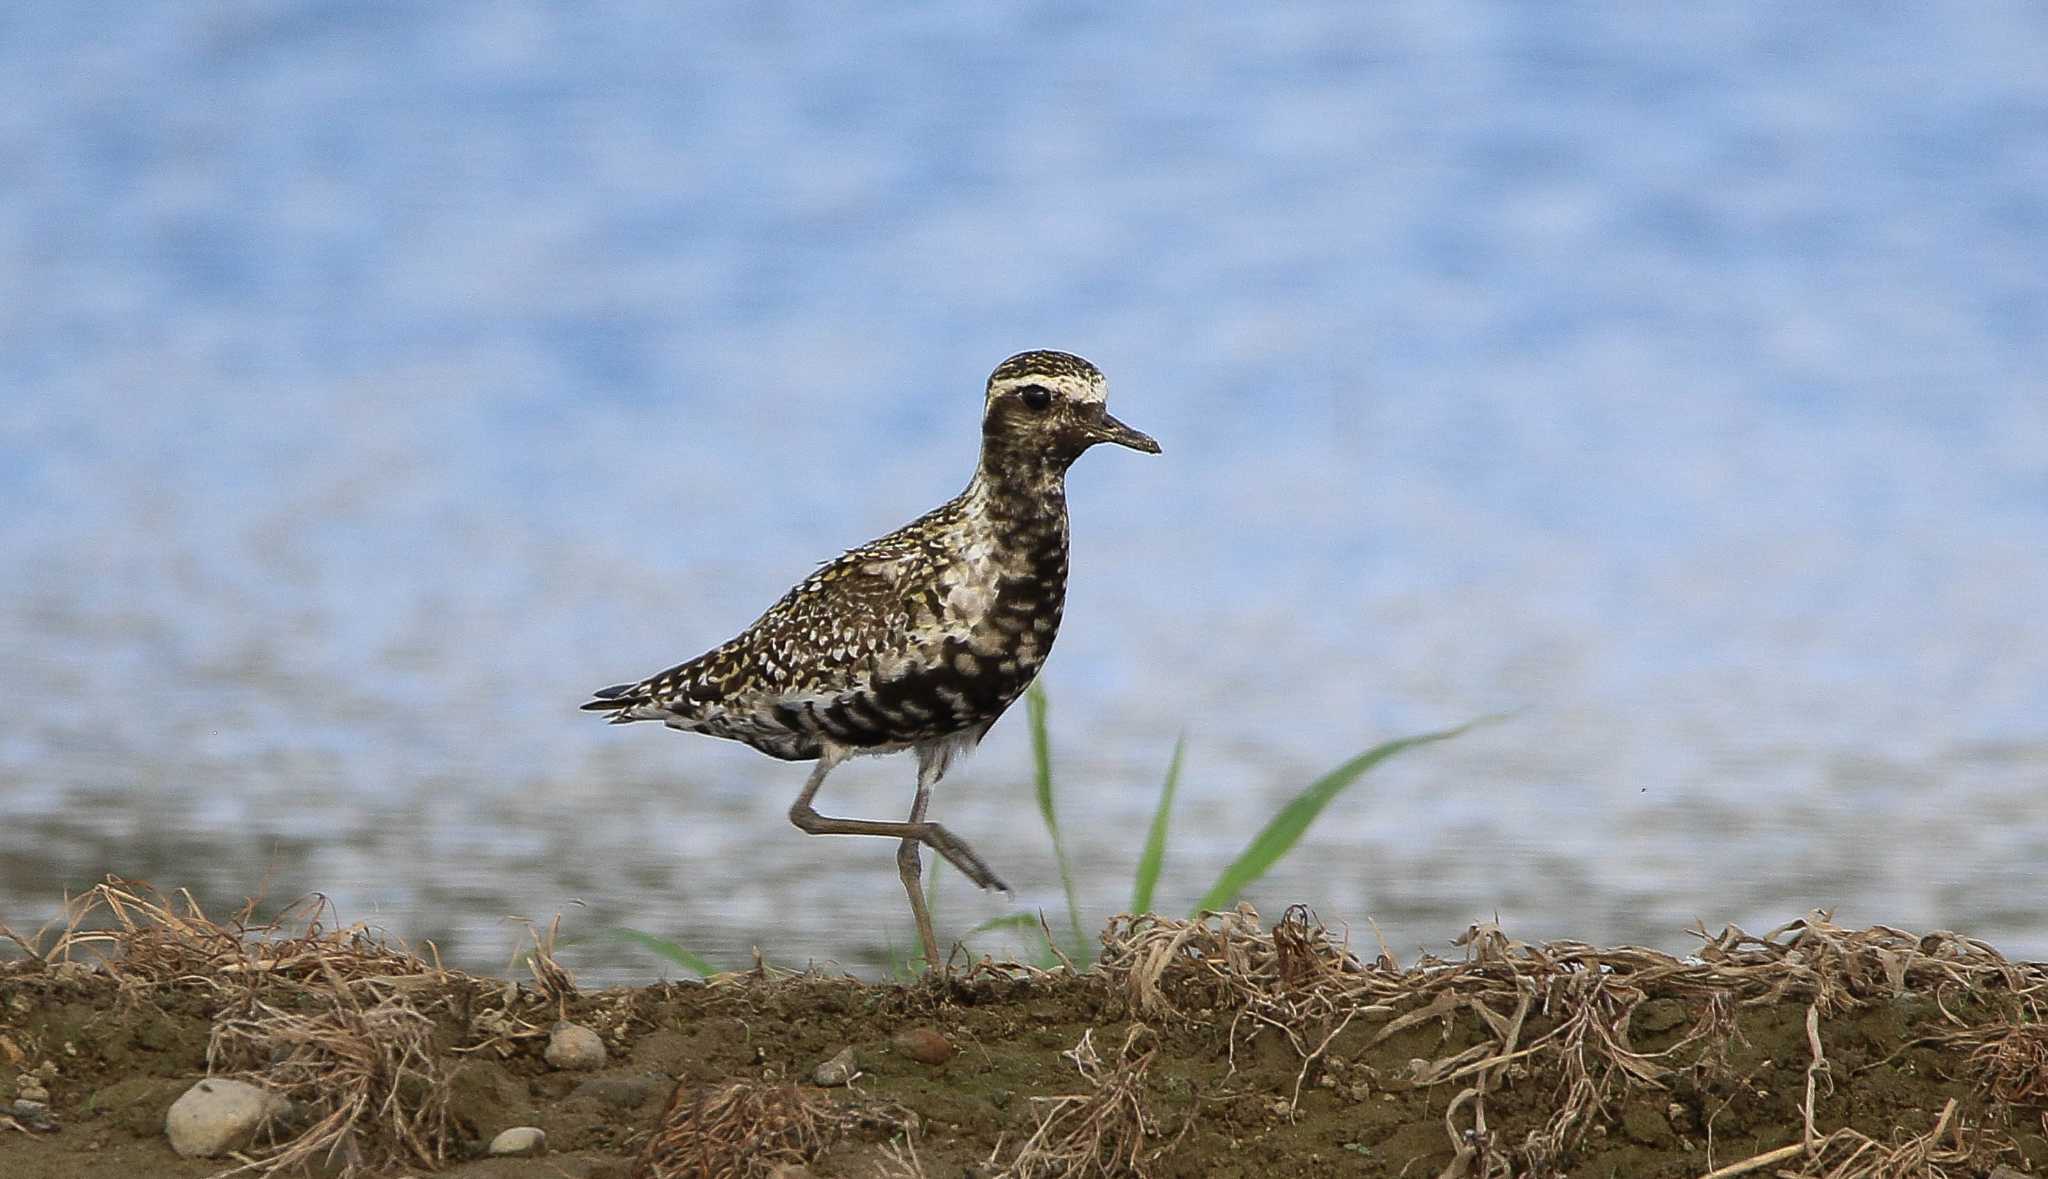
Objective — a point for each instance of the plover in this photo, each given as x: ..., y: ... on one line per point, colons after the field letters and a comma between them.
x: 919, y: 640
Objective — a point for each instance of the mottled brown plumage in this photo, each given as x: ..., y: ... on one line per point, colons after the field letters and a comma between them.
x: 921, y: 639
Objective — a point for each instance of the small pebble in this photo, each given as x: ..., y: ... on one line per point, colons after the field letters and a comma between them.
x: 924, y: 1045
x: 216, y: 1116
x: 837, y: 1071
x: 573, y: 1046
x: 520, y: 1141
x: 31, y: 1089
x: 30, y: 1115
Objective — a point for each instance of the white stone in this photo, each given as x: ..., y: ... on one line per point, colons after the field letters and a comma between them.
x: 520, y: 1140
x: 573, y: 1046
x: 217, y: 1115
x: 840, y: 1070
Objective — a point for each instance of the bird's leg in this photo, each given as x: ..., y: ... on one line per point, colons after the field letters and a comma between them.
x: 931, y: 766
x: 829, y: 757
x: 911, y: 869
x: 932, y: 835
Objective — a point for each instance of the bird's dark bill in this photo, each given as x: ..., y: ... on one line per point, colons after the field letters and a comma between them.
x: 1111, y: 430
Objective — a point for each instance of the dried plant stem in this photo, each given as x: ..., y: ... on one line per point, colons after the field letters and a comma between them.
x: 1757, y: 1162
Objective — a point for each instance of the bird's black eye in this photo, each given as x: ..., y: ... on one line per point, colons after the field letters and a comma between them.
x: 1035, y: 396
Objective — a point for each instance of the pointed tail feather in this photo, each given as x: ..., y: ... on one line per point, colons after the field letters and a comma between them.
x: 616, y: 699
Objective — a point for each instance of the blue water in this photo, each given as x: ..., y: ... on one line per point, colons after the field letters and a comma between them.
x: 377, y: 379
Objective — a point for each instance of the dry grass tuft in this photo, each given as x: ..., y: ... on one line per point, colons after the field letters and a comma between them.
x: 2009, y: 1059
x: 1105, y: 1132
x: 553, y: 980
x: 746, y: 1130
x: 1226, y: 960
x: 365, y: 1071
x: 335, y: 1019
x: 138, y: 935
x: 1949, y: 1150
x: 1300, y: 981
x: 1843, y: 969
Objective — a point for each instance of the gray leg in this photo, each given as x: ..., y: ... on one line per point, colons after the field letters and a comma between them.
x: 911, y: 869
x: 932, y: 835
x: 829, y: 757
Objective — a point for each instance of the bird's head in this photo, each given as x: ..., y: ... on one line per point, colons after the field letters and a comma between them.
x: 1048, y: 407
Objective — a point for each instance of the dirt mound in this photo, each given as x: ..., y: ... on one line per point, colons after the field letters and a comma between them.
x: 1217, y: 1048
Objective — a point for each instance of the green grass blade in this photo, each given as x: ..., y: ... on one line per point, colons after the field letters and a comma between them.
x: 1041, y: 759
x: 906, y: 967
x: 1154, y: 856
x: 663, y: 948
x: 1288, y: 826
x: 1023, y: 922
x: 1006, y: 921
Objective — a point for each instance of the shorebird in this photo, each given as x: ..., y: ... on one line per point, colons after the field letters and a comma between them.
x: 919, y: 640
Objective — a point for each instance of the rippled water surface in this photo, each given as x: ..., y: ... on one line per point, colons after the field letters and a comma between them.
x: 376, y: 380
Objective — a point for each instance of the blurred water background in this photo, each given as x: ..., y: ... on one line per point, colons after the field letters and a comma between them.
x: 376, y: 379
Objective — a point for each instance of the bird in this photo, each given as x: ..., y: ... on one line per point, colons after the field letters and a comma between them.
x: 918, y: 640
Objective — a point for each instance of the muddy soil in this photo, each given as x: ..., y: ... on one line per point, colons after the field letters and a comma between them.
x: 1215, y: 1093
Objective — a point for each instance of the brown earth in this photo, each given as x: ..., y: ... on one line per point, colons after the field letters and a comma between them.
x: 1215, y: 1049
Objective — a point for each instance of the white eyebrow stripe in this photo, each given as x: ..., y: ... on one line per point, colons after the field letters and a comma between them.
x: 1074, y: 389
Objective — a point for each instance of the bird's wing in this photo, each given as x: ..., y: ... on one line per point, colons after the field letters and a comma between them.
x: 827, y: 634
x: 866, y: 613
x: 852, y: 611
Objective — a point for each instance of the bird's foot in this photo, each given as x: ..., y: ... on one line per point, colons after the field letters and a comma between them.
x: 963, y: 857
